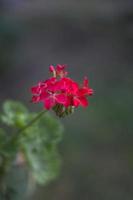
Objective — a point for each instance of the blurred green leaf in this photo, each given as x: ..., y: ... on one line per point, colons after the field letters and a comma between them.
x: 39, y: 144
x: 3, y: 137
x: 50, y: 128
x: 15, y: 114
x: 3, y: 140
x: 43, y: 161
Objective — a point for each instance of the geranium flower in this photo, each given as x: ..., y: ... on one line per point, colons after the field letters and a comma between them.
x: 61, y: 93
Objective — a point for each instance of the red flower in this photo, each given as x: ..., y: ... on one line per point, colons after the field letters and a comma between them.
x: 61, y: 93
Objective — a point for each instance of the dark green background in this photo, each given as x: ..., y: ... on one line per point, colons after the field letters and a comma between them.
x: 95, y: 39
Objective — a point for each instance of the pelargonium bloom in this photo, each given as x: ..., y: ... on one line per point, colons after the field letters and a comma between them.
x: 61, y: 93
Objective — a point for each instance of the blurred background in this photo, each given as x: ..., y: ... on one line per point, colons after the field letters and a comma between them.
x: 95, y: 39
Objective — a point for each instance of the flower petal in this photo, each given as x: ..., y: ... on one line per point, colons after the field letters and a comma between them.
x: 83, y: 101
x: 35, y: 90
x: 76, y: 102
x: 51, y: 68
x: 85, y: 82
x: 35, y: 99
x: 49, y: 103
x: 61, y: 98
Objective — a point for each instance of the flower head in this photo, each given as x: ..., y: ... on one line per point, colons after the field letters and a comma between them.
x: 61, y: 93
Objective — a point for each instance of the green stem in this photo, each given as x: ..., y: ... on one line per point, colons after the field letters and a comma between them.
x: 31, y: 122
x: 16, y: 135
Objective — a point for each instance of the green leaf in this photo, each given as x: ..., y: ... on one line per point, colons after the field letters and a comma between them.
x: 43, y: 161
x: 50, y: 128
x: 3, y: 137
x: 3, y: 140
x: 15, y: 114
x: 39, y: 144
x: 7, y: 150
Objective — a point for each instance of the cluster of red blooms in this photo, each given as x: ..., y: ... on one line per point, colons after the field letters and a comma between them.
x: 61, y: 93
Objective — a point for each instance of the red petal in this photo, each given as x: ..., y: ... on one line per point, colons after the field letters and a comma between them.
x: 82, y: 92
x: 60, y: 67
x: 90, y: 91
x: 76, y: 102
x: 35, y: 99
x: 35, y: 89
x: 51, y: 68
x: 85, y: 91
x: 74, y: 87
x: 60, y: 70
x: 61, y: 98
x: 49, y: 103
x: 85, y: 82
x: 83, y: 101
x: 43, y: 95
x: 69, y: 101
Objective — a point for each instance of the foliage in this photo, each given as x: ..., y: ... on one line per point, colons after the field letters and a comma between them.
x: 38, y: 143
x: 15, y: 114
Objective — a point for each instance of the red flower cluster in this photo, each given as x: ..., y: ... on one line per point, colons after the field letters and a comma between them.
x: 61, y: 93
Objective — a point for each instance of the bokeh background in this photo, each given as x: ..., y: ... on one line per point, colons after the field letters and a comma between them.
x: 94, y: 38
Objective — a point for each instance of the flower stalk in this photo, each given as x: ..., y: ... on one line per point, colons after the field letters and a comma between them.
x: 16, y: 135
